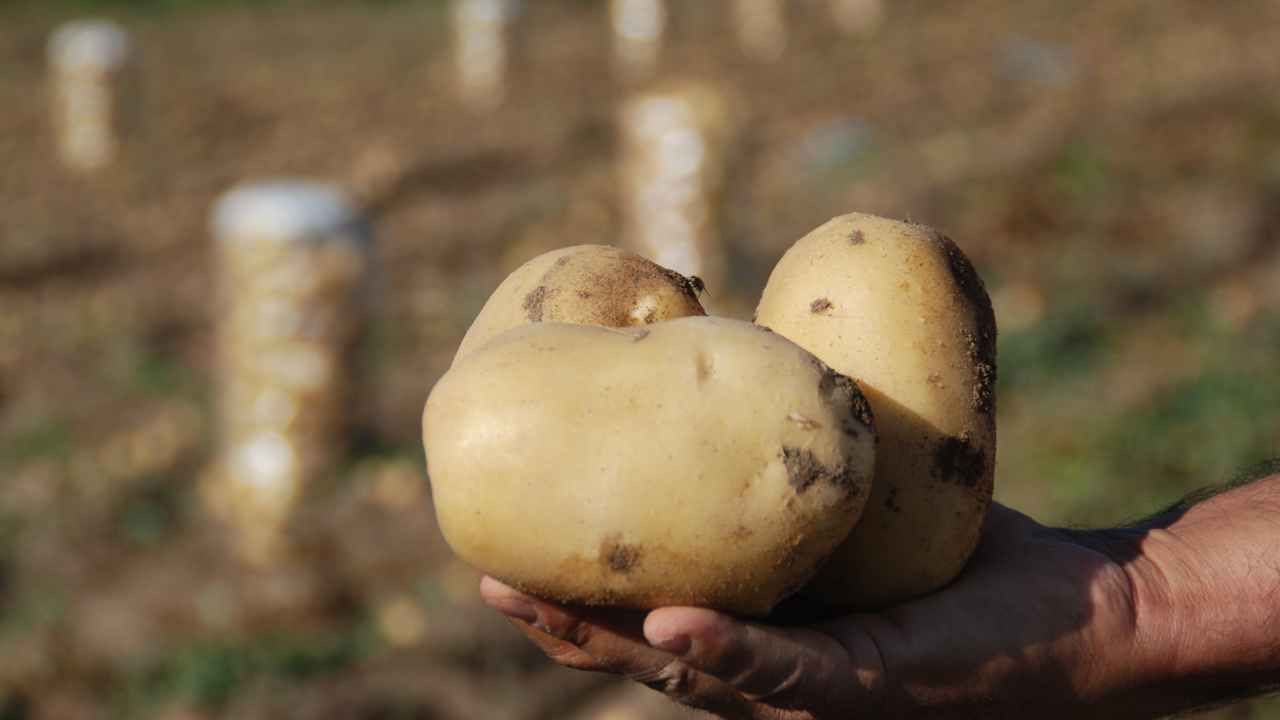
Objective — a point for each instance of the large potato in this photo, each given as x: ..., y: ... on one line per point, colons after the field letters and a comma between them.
x: 586, y: 285
x: 899, y: 308
x: 700, y: 461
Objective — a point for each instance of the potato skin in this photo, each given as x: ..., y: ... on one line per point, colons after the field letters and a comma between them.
x: 899, y: 308
x: 587, y: 285
x: 701, y: 461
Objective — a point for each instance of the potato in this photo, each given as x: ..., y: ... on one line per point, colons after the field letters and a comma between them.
x: 587, y: 285
x: 700, y: 461
x: 899, y: 308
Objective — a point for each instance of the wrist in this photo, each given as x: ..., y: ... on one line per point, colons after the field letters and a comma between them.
x: 1142, y: 671
x: 1189, y: 624
x: 1206, y: 624
x: 1161, y: 580
x: 1128, y: 654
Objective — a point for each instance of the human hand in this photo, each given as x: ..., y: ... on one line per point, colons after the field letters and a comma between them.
x: 1042, y: 622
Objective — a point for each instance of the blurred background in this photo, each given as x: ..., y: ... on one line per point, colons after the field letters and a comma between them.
x: 1111, y: 166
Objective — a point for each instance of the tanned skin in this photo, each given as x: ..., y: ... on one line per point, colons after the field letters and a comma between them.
x: 1175, y: 613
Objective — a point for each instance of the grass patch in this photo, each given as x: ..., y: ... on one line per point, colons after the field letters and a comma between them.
x: 1082, y: 171
x: 50, y: 438
x: 1066, y: 344
x: 149, y: 517
x: 210, y: 674
x: 31, y: 609
x: 1198, y: 433
x: 1201, y: 431
x: 160, y: 374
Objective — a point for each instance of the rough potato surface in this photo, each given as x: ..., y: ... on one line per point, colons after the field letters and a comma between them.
x: 587, y: 285
x: 899, y: 308
x: 700, y: 461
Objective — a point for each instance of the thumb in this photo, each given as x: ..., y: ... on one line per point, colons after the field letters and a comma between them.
x: 783, y: 668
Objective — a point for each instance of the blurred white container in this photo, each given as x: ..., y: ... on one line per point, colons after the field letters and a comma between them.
x: 292, y: 257
x: 674, y: 150
x: 762, y: 28
x: 88, y: 61
x: 638, y: 28
x: 480, y: 30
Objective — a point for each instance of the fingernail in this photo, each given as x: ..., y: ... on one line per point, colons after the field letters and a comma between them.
x: 515, y: 607
x: 677, y: 644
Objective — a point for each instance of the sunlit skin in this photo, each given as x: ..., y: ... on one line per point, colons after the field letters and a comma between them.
x: 1048, y: 623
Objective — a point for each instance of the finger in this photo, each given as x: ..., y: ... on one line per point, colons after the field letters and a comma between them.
x: 611, y: 641
x: 683, y: 683
x: 612, y: 638
x: 789, y: 668
x: 559, y: 634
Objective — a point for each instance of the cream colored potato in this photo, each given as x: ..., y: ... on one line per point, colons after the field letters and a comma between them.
x: 586, y: 285
x: 700, y: 461
x: 899, y: 308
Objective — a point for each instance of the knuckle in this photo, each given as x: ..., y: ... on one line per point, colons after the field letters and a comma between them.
x: 576, y: 631
x: 572, y: 657
x: 788, y: 685
x: 675, y: 679
x: 572, y: 630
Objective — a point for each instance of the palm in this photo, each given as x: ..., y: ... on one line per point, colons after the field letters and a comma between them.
x: 1029, y: 606
x: 1029, y: 611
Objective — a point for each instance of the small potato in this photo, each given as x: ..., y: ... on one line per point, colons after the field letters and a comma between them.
x: 899, y: 308
x: 586, y: 285
x: 700, y: 461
